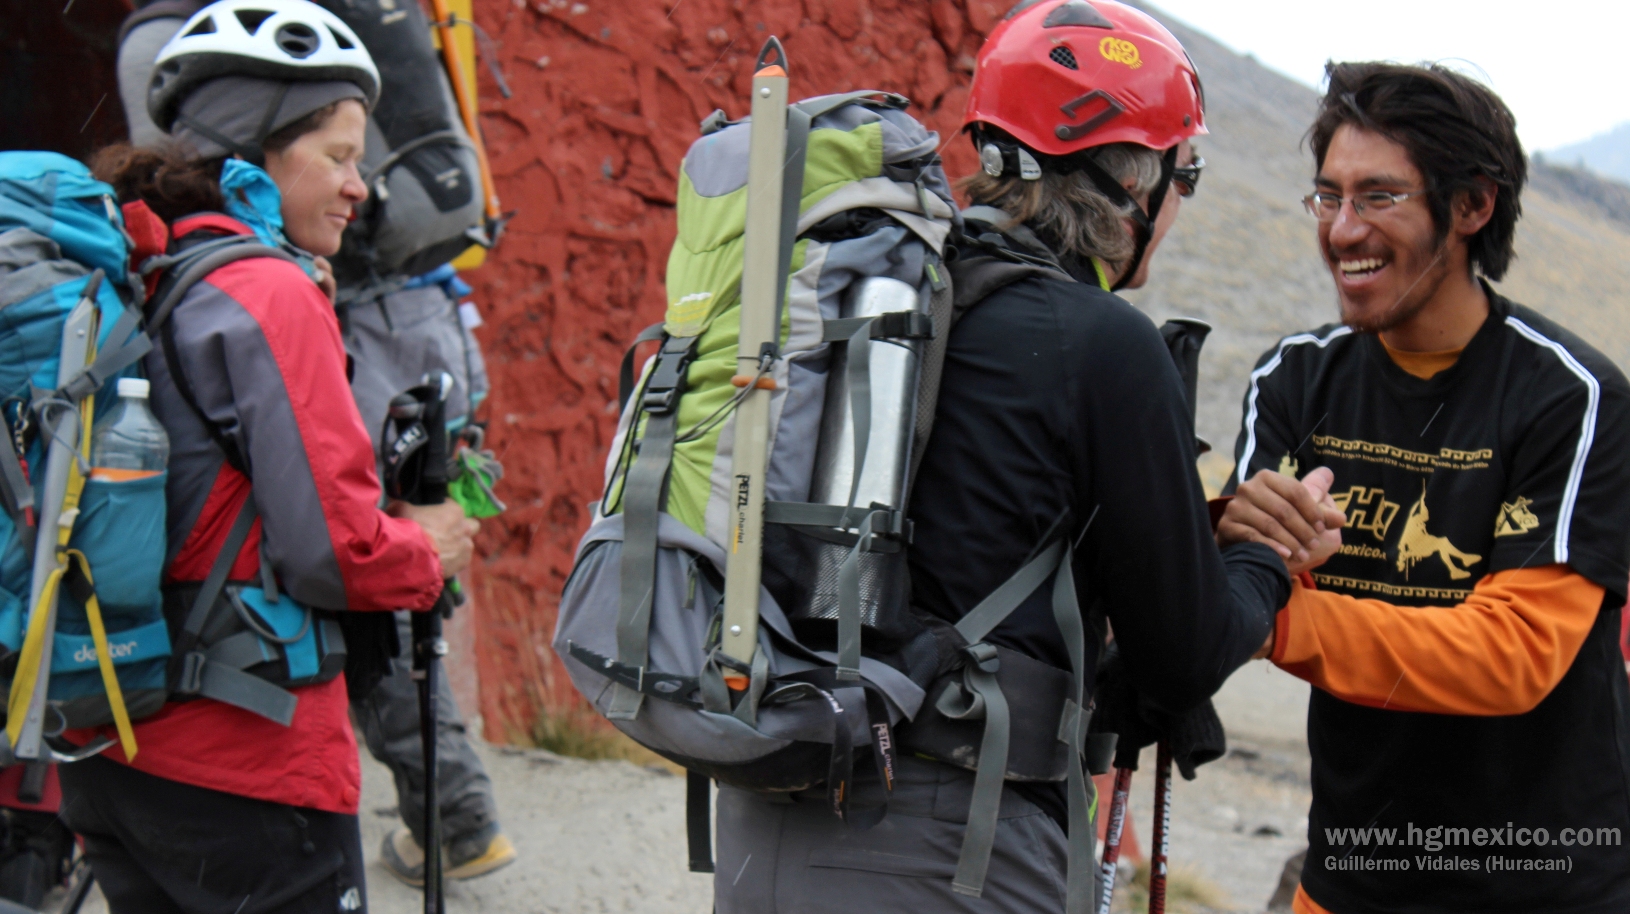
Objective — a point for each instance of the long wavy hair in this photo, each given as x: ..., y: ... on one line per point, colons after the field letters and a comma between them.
x: 1067, y: 207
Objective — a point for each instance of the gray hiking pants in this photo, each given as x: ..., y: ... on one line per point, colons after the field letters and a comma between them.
x: 780, y: 854
x: 389, y: 718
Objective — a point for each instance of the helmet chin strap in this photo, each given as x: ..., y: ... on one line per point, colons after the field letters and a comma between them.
x: 1145, y: 221
x: 251, y: 151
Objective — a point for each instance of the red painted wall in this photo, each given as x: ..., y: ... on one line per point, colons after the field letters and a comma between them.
x: 607, y: 97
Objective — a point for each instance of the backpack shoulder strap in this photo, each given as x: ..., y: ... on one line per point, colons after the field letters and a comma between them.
x: 185, y: 271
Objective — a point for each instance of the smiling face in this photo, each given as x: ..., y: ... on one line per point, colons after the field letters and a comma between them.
x: 320, y: 180
x: 1387, y: 264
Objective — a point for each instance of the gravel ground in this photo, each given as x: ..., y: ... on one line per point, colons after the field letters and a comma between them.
x: 609, y: 837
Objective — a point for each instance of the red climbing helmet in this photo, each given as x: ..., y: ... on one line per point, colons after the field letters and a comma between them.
x: 1065, y: 75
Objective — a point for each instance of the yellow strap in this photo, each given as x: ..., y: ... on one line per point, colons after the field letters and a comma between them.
x: 104, y: 659
x: 28, y: 660
x: 1103, y: 281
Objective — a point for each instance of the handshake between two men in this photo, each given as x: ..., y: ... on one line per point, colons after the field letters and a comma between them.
x: 1295, y: 518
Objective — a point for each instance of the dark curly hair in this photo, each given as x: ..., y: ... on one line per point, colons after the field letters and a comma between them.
x: 1456, y: 131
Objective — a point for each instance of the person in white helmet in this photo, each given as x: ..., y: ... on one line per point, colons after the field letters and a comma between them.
x: 393, y: 339
x: 243, y: 795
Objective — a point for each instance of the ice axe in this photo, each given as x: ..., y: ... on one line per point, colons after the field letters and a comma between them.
x: 416, y: 460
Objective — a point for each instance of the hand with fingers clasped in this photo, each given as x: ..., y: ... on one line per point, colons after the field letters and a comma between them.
x: 1297, y: 519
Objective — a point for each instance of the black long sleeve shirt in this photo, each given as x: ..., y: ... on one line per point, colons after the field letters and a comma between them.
x: 1060, y: 400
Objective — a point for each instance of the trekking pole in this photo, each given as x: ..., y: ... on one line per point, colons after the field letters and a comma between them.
x: 1112, y: 837
x: 80, y: 881
x: 417, y: 466
x: 762, y: 286
x: 1163, y: 824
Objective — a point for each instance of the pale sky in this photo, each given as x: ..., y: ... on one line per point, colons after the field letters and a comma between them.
x: 1559, y: 65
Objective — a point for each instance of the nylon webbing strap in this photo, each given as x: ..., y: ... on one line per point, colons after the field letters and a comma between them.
x: 990, y: 612
x: 196, y: 269
x: 895, y: 325
x: 625, y: 374
x: 239, y: 651
x: 218, y: 572
x: 979, y: 676
x: 126, y: 346
x: 216, y: 673
x: 698, y: 828
x: 641, y: 491
x: 849, y: 601
x: 979, y: 681
x: 247, y: 691
x: 1072, y: 731
x: 858, y: 373
x: 104, y: 656
x: 642, y: 506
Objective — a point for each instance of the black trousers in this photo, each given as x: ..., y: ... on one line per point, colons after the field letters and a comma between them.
x: 159, y: 846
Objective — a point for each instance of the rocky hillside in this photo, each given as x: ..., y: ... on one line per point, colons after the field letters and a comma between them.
x: 1606, y: 153
x: 607, y: 97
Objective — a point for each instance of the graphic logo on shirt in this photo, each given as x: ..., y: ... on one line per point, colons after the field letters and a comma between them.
x: 351, y: 900
x: 1367, y: 509
x: 1287, y: 466
x: 1417, y: 544
x: 1515, y: 519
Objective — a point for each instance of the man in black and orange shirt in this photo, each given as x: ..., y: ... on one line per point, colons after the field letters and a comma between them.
x: 1470, y: 721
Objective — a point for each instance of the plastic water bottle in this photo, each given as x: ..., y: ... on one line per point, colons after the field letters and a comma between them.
x: 129, y: 443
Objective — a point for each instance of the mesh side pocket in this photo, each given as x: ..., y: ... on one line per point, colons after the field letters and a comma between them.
x: 801, y: 572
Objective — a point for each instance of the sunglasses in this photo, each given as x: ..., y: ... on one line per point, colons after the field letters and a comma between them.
x: 1187, y: 177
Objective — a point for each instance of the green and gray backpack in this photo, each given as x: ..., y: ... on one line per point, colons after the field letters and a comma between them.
x: 842, y: 656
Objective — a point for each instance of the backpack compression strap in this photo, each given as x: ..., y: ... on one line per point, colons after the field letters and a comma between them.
x: 980, y: 695
x: 218, y: 671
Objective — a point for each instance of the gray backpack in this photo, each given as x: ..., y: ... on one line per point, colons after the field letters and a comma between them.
x: 639, y: 623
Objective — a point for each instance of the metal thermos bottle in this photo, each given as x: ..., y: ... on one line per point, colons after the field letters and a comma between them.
x: 894, y: 372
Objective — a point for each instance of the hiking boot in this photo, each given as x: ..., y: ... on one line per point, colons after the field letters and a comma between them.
x: 465, y: 858
x: 469, y: 859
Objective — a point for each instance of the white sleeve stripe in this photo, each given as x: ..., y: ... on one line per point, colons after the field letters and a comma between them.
x: 1587, y: 432
x: 1264, y: 371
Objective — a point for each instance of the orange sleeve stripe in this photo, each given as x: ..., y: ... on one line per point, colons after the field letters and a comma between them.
x: 1500, y: 652
x: 1303, y: 904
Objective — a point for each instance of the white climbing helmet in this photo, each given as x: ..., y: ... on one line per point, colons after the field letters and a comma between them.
x: 274, y: 39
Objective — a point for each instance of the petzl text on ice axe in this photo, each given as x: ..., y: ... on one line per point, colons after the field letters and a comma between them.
x: 69, y: 426
x: 766, y: 253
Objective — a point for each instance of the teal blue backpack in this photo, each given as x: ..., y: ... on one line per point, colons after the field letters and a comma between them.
x: 98, y: 651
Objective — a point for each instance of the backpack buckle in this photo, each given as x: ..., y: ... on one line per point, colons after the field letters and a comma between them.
x: 983, y: 657
x: 191, y: 680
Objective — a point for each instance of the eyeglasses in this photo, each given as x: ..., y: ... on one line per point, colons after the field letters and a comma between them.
x: 1324, y: 207
x: 1187, y: 177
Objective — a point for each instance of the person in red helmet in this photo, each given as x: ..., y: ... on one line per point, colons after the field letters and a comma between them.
x: 1061, y: 418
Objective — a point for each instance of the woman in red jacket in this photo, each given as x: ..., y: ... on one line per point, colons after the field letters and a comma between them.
x: 238, y: 800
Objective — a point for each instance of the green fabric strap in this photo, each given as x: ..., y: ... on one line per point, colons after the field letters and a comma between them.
x: 1072, y: 731
x: 990, y: 612
x: 979, y: 677
x: 641, y: 491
